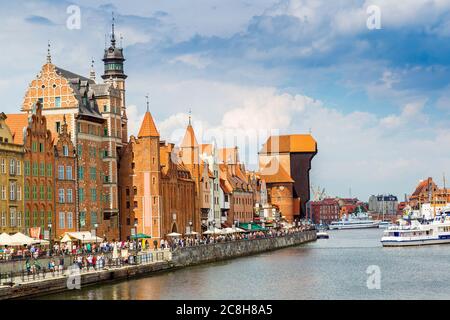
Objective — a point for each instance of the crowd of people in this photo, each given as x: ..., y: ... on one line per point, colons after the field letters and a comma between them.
x: 217, y: 238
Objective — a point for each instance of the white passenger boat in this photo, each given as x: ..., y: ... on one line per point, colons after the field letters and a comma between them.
x: 435, y: 231
x: 322, y: 235
x: 358, y: 221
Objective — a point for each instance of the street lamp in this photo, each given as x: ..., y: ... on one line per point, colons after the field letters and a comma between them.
x: 136, y: 238
x: 96, y: 238
x: 50, y: 238
x: 190, y: 227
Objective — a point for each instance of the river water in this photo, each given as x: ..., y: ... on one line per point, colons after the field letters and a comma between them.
x: 334, y: 268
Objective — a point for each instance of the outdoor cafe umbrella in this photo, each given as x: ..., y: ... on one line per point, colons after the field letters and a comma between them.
x: 5, y: 239
x: 208, y: 232
x: 174, y: 234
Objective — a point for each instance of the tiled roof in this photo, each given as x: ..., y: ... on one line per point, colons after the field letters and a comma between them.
x: 290, y: 143
x: 148, y: 127
x: 206, y: 148
x: 280, y: 176
x: 16, y: 123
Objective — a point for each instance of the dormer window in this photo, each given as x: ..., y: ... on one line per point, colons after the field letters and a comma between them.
x: 65, y: 151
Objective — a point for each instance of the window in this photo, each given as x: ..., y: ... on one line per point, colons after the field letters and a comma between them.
x: 42, y: 192
x: 42, y: 219
x: 61, y: 195
x: 128, y: 204
x: 105, y: 132
x: 69, y: 173
x: 81, y: 194
x: 12, y: 217
x: 93, y: 194
x: 58, y: 126
x: 82, y: 218
x: 3, y: 219
x: 69, y: 220
x: 34, y: 146
x: 19, y: 167
x: 49, y: 169
x: 69, y: 196
x: 61, y: 172
x: 65, y: 151
x: 41, y: 147
x: 80, y: 173
x: 27, y: 218
x: 3, y: 166
x: 49, y: 217
x: 79, y: 150
x: 27, y: 192
x: 19, y: 219
x: 105, y: 108
x: 93, y: 218
x: 3, y: 193
x: 49, y: 193
x: 35, y: 169
x: 12, y: 166
x: 58, y: 102
x: 27, y: 168
x: 42, y: 169
x: 62, y: 220
x: 93, y: 173
x: 12, y: 191
x: 35, y: 218
x: 34, y: 192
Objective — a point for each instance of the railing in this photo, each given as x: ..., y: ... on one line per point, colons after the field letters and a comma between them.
x: 34, y: 271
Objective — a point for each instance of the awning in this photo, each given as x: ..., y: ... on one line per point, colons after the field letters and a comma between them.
x: 21, y: 239
x: 83, y: 236
x: 5, y: 239
x: 251, y: 226
x: 140, y: 236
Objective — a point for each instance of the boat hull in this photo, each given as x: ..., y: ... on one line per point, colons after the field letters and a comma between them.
x: 349, y: 226
x: 410, y: 243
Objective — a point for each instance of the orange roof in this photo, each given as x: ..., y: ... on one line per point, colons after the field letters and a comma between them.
x: 279, y: 177
x: 189, y: 139
x: 290, y: 143
x: 148, y: 127
x: 16, y: 122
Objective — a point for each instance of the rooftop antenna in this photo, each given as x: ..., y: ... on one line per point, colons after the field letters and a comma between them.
x: 147, y: 98
x: 113, y: 38
x: 92, y: 73
x: 121, y: 41
x: 190, y: 114
x: 49, y: 57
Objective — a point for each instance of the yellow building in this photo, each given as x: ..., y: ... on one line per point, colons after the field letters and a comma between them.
x: 11, y: 181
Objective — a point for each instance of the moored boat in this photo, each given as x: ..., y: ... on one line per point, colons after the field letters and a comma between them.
x: 322, y: 235
x: 415, y: 233
x: 358, y: 221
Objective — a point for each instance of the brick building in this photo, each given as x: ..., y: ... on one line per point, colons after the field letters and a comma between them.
x: 66, y: 219
x: 293, y: 155
x: 324, y: 211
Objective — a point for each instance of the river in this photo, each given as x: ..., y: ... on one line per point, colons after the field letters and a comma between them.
x: 334, y: 268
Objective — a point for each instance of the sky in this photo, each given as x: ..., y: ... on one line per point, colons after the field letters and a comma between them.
x: 377, y: 101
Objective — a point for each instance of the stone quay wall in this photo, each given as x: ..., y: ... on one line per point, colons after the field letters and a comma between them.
x: 181, y: 257
x: 187, y: 256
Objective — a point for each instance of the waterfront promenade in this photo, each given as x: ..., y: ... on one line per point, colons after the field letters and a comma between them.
x: 23, y: 283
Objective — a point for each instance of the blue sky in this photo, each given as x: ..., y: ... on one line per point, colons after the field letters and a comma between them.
x: 377, y: 101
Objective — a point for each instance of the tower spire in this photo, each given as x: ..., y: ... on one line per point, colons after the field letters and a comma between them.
x: 113, y: 38
x: 49, y: 57
x: 92, y: 73
x: 148, y: 107
x: 190, y: 115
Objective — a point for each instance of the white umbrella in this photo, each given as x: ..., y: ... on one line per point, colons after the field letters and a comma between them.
x: 5, y: 239
x: 208, y: 232
x: 21, y: 239
x: 193, y: 233
x: 229, y: 230
x: 174, y: 234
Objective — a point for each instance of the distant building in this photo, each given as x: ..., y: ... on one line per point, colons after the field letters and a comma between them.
x: 324, y: 211
x: 384, y: 204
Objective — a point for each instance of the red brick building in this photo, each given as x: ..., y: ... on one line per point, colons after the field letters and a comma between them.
x: 324, y: 211
x: 66, y: 219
